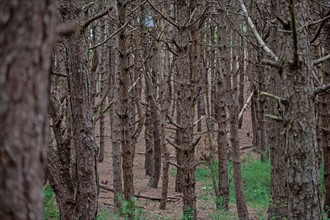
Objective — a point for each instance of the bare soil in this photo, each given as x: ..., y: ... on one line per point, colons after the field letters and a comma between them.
x: 151, y: 208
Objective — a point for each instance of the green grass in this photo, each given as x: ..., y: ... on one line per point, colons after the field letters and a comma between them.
x: 50, y: 208
x: 256, y: 181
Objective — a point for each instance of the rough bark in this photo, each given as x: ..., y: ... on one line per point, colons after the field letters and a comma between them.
x: 232, y: 102
x: 223, y: 182
x: 324, y: 124
x: 124, y: 106
x: 26, y: 40
x: 301, y: 150
x: 115, y: 126
x: 82, y: 115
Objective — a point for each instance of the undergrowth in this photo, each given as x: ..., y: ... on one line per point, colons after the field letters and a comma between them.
x: 256, y: 181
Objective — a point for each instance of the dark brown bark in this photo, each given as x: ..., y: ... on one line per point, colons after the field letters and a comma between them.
x: 82, y: 116
x: 232, y: 102
x: 324, y: 125
x: 59, y: 159
x: 115, y: 128
x: 298, y: 113
x: 103, y: 91
x: 26, y: 40
x: 124, y: 106
x: 223, y: 63
x: 148, y: 136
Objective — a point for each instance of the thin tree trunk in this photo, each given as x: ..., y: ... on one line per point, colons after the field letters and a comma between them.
x: 324, y: 126
x: 124, y: 108
x: 232, y: 101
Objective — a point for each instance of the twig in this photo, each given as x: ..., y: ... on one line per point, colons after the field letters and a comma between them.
x: 140, y: 195
x: 85, y: 25
x: 246, y: 147
x: 274, y: 117
x: 59, y: 74
x: 321, y: 89
x: 321, y: 60
x: 173, y: 144
x: 277, y: 98
x: 175, y: 164
x: 162, y: 15
x: 108, y: 38
x: 173, y: 122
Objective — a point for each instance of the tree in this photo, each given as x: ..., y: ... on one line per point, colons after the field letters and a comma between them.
x: 26, y: 39
x: 294, y: 65
x: 72, y: 164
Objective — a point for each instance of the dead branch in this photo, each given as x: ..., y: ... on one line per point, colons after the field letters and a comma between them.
x: 246, y: 147
x: 173, y: 144
x: 256, y: 33
x: 321, y: 60
x: 245, y: 105
x: 173, y: 122
x: 175, y: 164
x: 100, y: 15
x: 321, y: 89
x: 162, y: 15
x: 141, y: 196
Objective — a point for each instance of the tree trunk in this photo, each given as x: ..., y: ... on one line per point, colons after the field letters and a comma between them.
x: 26, y: 40
x: 324, y: 124
x: 124, y: 107
x: 223, y: 62
x: 301, y: 151
x: 232, y: 100
x: 115, y: 130
x: 82, y: 117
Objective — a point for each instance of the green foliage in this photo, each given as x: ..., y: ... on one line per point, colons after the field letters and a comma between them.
x: 187, y: 214
x: 256, y: 180
x: 105, y: 214
x: 130, y: 208
x: 222, y: 215
x: 51, y: 211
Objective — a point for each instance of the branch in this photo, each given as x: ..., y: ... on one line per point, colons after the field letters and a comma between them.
x: 162, y: 15
x: 321, y: 89
x: 277, y: 98
x: 195, y: 142
x: 85, y: 25
x: 294, y: 34
x: 320, y: 28
x: 275, y: 64
x: 246, y: 103
x: 102, y: 99
x: 256, y: 33
x: 140, y: 195
x: 108, y: 38
x: 173, y: 144
x: 274, y: 117
x: 321, y: 60
x: 175, y: 164
x: 58, y: 74
x: 172, y: 121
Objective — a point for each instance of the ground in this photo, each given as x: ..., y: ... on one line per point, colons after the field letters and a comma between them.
x: 151, y: 208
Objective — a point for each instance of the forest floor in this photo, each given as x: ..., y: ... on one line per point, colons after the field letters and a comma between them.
x: 150, y: 209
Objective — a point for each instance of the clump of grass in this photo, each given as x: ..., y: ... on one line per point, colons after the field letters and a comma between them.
x: 51, y: 211
x: 256, y: 181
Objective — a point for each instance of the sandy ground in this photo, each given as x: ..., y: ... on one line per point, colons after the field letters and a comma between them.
x: 151, y: 208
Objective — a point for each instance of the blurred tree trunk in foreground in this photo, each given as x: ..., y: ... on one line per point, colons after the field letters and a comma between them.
x: 26, y: 39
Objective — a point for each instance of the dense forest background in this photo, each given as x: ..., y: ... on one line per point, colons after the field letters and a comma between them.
x: 153, y: 109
